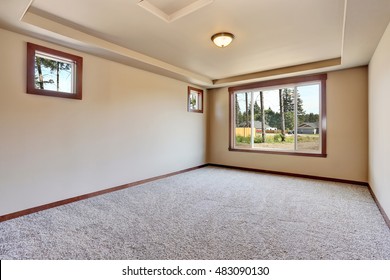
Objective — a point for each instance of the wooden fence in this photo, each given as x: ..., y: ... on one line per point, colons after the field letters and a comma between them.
x: 246, y: 131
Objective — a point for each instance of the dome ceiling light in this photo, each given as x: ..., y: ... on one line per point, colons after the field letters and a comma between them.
x: 222, y: 39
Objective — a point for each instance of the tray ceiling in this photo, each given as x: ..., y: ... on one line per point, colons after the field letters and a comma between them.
x: 272, y: 38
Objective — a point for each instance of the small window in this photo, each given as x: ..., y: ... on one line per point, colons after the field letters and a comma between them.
x: 285, y: 116
x: 53, y: 73
x: 195, y: 100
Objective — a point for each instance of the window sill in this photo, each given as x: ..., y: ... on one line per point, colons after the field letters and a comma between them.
x: 54, y: 93
x: 287, y: 153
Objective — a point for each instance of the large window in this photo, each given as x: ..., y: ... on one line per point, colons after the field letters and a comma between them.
x: 285, y: 116
x: 53, y: 73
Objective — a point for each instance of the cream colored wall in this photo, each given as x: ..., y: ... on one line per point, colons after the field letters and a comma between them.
x: 347, y: 133
x: 379, y: 132
x: 130, y: 125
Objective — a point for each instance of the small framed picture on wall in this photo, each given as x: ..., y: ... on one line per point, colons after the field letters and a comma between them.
x: 195, y: 100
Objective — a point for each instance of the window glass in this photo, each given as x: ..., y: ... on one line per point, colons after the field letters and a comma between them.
x: 243, y: 130
x: 53, y: 73
x: 195, y: 100
x: 280, y: 118
x: 308, y: 128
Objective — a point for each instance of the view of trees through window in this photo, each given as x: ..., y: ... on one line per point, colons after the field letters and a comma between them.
x: 53, y: 74
x: 282, y: 118
x: 195, y: 100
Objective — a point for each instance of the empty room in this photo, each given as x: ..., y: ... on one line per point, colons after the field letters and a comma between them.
x: 194, y: 130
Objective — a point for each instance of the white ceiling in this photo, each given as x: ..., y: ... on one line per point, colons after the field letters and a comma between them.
x: 270, y: 34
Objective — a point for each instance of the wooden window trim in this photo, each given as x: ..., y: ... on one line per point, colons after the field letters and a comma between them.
x: 200, y: 92
x: 280, y: 82
x: 31, y: 50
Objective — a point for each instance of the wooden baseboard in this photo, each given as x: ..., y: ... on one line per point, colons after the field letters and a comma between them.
x: 385, y: 217
x: 89, y: 195
x: 293, y: 174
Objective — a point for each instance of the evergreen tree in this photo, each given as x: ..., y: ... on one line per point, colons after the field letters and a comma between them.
x: 289, y: 108
x: 282, y: 113
x: 311, y: 118
x: 239, y: 117
x: 54, y: 66
x: 272, y: 118
x: 262, y: 115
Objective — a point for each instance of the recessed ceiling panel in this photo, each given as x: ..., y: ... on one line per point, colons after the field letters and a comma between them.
x: 171, y: 6
x: 175, y: 13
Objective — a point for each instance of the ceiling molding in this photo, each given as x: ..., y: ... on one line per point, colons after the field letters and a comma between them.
x: 344, y: 26
x: 354, y: 31
x: 189, y: 9
x: 280, y: 71
x: 26, y: 9
x: 158, y: 66
x: 154, y: 10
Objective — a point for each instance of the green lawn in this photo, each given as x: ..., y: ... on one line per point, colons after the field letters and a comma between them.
x: 305, y: 141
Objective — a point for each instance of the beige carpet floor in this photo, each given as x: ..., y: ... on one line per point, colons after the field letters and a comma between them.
x: 209, y: 213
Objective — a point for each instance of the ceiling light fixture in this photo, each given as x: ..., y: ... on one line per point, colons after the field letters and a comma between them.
x: 222, y: 39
